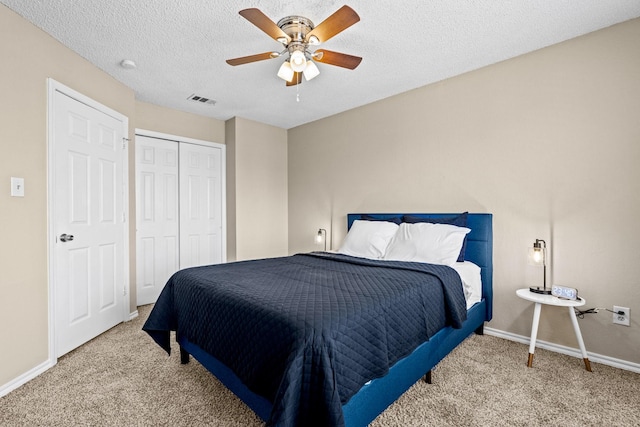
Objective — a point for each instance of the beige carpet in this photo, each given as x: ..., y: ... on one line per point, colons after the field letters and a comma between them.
x: 122, y: 378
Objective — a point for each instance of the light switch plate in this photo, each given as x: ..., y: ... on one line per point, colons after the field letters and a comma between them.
x: 17, y: 187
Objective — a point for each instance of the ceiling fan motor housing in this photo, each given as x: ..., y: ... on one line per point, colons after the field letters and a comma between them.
x: 296, y: 27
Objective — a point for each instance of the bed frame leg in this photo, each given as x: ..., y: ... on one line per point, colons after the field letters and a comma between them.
x: 480, y: 330
x: 184, y: 356
x: 427, y: 377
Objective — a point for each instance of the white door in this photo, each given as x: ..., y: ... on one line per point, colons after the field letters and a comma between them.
x: 201, y: 207
x: 157, y: 239
x: 87, y: 206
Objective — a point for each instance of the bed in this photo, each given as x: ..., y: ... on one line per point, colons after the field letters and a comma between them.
x: 345, y: 369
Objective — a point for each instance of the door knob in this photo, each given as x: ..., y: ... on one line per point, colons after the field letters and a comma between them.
x: 66, y: 237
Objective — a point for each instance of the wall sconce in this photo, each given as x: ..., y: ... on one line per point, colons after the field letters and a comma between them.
x: 538, y: 256
x: 322, y: 236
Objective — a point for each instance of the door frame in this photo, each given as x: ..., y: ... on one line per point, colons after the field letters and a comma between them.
x: 223, y: 148
x: 54, y: 86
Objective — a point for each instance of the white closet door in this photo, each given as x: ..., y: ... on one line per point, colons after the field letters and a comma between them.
x: 157, y: 215
x: 201, y: 207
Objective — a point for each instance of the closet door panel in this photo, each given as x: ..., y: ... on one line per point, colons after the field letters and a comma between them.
x: 157, y: 225
x: 201, y: 202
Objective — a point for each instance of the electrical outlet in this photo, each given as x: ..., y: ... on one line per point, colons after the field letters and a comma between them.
x: 621, y: 319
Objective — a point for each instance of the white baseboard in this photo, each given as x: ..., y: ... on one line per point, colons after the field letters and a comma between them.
x: 26, y: 377
x: 593, y: 357
x: 133, y: 315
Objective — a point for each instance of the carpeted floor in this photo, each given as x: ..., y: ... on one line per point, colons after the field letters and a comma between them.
x: 122, y: 378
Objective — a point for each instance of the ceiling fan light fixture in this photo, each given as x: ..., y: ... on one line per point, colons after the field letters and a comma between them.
x: 311, y: 70
x: 286, y: 72
x: 298, y: 61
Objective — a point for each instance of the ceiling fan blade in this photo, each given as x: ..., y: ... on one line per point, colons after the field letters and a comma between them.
x: 250, y: 58
x: 342, y: 19
x: 336, y: 58
x: 262, y: 21
x: 296, y: 80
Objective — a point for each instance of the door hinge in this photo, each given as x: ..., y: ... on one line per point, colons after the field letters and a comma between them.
x: 124, y: 142
x: 124, y: 217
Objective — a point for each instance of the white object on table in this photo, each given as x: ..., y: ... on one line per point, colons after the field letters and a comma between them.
x: 540, y: 299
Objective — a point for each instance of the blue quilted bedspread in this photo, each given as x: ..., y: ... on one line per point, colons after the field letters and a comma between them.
x: 309, y: 330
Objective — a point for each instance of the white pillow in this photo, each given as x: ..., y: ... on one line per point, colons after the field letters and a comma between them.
x: 426, y: 242
x: 368, y: 239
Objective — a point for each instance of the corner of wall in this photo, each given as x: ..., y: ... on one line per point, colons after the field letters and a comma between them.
x: 230, y: 142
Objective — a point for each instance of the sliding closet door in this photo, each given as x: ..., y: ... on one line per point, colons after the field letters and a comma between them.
x: 157, y: 215
x: 201, y: 204
x: 179, y: 209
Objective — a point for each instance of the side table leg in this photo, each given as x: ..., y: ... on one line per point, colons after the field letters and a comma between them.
x: 534, y: 332
x: 576, y: 328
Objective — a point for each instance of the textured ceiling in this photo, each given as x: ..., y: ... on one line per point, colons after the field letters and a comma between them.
x: 180, y: 47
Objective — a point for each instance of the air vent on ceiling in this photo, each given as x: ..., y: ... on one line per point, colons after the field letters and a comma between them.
x: 201, y: 99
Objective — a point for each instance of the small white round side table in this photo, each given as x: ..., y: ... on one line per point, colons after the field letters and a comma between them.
x: 540, y: 299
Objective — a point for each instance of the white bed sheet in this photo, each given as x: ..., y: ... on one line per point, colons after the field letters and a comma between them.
x: 471, y: 281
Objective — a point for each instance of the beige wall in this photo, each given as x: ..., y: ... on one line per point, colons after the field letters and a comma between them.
x: 257, y: 215
x: 30, y: 57
x: 174, y: 122
x: 548, y: 142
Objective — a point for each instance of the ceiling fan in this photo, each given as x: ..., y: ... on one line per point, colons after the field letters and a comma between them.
x: 297, y: 34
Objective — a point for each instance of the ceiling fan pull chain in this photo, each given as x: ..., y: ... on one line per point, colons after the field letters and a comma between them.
x: 297, y: 93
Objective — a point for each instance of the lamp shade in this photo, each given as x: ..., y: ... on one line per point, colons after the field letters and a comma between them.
x: 298, y: 61
x: 311, y: 70
x: 537, y: 253
x: 286, y: 72
x: 321, y: 237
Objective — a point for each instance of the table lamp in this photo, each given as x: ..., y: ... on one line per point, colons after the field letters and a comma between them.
x: 322, y: 236
x: 538, y: 256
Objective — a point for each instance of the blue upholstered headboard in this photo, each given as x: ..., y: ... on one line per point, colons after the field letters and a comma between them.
x: 479, y: 245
